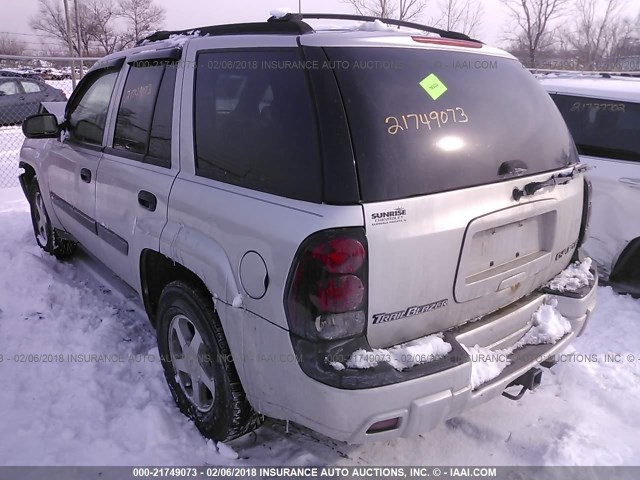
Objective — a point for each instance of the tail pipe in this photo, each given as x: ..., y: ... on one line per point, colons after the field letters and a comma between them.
x: 529, y: 381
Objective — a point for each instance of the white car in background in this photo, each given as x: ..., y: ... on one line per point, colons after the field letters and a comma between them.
x: 603, y: 115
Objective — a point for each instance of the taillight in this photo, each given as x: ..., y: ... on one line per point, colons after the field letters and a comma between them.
x: 586, y: 212
x: 340, y: 255
x: 341, y: 293
x: 327, y: 288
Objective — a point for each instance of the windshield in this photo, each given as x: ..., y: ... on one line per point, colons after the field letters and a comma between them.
x: 426, y: 121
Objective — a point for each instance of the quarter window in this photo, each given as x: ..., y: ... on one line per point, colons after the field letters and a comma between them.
x: 31, y: 87
x: 255, y: 124
x: 88, y: 113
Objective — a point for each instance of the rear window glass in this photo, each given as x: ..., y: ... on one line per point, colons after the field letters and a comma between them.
x: 602, y: 128
x: 425, y: 121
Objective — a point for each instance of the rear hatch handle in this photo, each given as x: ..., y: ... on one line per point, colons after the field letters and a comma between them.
x: 558, y: 179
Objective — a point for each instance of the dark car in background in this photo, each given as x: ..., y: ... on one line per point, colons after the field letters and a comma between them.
x: 10, y: 72
x: 20, y: 97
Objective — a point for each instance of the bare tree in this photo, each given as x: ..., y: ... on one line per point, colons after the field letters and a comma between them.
x: 10, y: 46
x: 398, y: 9
x: 51, y: 20
x: 102, y: 15
x: 533, y: 20
x: 143, y: 17
x: 460, y: 15
x: 598, y: 29
x: 620, y: 39
x: 97, y: 23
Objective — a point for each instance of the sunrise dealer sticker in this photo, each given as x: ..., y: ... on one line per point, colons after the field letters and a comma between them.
x: 399, y: 215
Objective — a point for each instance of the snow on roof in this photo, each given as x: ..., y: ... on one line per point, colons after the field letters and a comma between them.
x: 375, y: 26
x: 615, y: 88
x: 280, y: 12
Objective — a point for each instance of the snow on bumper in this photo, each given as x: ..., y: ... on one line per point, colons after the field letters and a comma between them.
x: 421, y: 402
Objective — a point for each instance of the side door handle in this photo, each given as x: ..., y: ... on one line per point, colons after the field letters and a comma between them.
x: 147, y: 200
x: 85, y: 175
x: 633, y: 182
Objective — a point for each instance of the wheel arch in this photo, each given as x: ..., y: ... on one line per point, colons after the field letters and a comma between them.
x: 157, y: 271
x: 627, y: 266
x: 26, y: 177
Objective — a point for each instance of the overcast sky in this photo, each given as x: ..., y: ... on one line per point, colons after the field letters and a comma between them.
x: 194, y: 13
x: 182, y: 14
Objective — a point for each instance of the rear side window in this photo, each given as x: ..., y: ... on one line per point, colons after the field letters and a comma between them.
x: 602, y: 128
x: 426, y: 121
x: 143, y: 124
x: 255, y: 125
x: 31, y: 87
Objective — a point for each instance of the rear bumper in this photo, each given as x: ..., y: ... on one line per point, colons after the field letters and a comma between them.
x: 421, y: 403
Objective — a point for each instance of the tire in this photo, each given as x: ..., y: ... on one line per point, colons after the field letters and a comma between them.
x: 45, y: 234
x: 203, y: 381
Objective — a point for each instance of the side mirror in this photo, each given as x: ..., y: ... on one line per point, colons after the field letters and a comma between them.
x: 41, y: 126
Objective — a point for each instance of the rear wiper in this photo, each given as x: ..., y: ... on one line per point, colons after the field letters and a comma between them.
x: 559, y: 179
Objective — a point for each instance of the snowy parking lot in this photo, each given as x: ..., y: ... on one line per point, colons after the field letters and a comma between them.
x: 10, y: 143
x: 82, y: 385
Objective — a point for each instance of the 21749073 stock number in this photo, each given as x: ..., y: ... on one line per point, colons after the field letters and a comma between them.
x: 434, y: 119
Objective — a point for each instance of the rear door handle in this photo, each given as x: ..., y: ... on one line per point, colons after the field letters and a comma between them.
x: 633, y: 182
x: 147, y: 200
x: 85, y: 175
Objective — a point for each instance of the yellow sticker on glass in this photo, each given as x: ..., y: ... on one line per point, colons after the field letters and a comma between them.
x: 433, y: 86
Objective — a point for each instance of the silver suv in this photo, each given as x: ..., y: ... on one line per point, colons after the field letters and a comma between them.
x: 325, y: 226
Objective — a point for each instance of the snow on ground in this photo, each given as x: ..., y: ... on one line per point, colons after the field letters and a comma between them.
x: 65, y: 85
x: 115, y: 409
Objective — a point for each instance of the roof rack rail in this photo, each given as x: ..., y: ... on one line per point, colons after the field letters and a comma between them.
x: 258, y: 28
x: 363, y: 18
x: 293, y: 24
